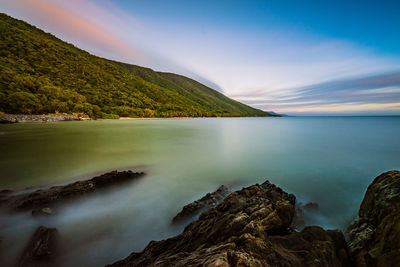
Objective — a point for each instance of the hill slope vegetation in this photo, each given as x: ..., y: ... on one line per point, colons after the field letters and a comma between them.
x: 42, y: 74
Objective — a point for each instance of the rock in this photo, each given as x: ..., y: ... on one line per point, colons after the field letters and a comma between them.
x: 5, y: 192
x: 46, y: 197
x: 4, y: 195
x: 16, y: 118
x: 373, y: 237
x: 250, y: 227
x: 198, y: 206
x: 302, y: 214
x: 298, y: 221
x: 311, y: 206
x: 44, y: 211
x: 41, y: 249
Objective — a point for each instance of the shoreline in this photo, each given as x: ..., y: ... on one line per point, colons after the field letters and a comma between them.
x: 25, y: 118
x: 22, y: 118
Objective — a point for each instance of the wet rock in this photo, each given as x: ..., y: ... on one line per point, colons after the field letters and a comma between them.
x: 46, y: 197
x: 5, y: 192
x: 42, y: 248
x: 198, y: 206
x: 302, y: 213
x: 42, y: 212
x: 311, y: 206
x: 313, y: 246
x: 4, y: 195
x: 373, y: 237
x: 298, y: 221
x: 250, y: 227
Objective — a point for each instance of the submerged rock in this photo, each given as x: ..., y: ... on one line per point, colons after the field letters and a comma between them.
x: 41, y: 249
x: 311, y: 206
x: 374, y: 236
x: 5, y: 192
x: 43, y: 211
x: 250, y: 227
x: 200, y: 205
x: 46, y: 197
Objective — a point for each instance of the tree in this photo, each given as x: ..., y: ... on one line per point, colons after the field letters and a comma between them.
x: 23, y: 102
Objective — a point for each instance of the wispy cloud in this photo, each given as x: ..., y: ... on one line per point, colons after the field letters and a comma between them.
x: 370, y: 93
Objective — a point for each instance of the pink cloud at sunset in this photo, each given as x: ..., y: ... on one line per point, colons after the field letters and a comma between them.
x: 76, y: 24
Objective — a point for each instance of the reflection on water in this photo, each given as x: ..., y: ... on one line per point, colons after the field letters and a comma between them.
x: 326, y: 160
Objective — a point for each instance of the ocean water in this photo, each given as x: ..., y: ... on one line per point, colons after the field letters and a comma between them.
x: 328, y: 160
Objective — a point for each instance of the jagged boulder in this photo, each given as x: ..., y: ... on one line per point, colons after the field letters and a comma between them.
x: 374, y: 236
x: 42, y: 212
x: 249, y: 227
x: 42, y: 248
x: 200, y: 205
x: 311, y: 206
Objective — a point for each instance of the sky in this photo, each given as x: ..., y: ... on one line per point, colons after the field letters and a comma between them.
x: 293, y: 57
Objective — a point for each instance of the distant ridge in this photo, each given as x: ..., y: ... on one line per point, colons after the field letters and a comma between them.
x: 42, y: 74
x: 276, y: 114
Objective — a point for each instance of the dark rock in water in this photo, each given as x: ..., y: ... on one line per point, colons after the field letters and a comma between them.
x: 374, y: 236
x: 42, y: 248
x: 198, y: 206
x: 5, y: 192
x: 250, y: 227
x: 311, y: 206
x: 43, y: 211
x: 44, y: 198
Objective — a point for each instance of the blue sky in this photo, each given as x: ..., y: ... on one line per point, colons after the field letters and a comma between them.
x: 369, y: 23
x: 293, y: 57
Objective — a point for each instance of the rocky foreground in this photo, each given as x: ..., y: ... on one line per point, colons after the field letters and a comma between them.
x: 249, y: 227
x: 252, y: 227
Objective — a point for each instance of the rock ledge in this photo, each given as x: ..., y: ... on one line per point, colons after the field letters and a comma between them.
x: 44, y: 198
x: 374, y: 235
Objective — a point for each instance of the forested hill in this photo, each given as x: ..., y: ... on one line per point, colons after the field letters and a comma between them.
x: 41, y: 74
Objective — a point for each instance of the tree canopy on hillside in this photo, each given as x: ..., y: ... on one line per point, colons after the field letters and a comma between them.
x: 43, y: 74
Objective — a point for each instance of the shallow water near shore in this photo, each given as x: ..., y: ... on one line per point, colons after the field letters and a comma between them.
x: 328, y: 160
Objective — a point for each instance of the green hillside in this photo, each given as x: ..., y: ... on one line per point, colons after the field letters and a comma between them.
x: 42, y: 74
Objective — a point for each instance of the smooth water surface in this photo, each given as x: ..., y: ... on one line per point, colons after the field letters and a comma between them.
x: 328, y: 160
